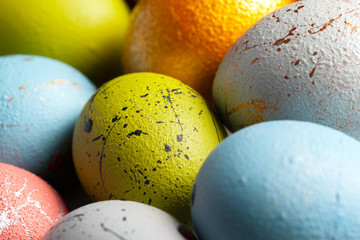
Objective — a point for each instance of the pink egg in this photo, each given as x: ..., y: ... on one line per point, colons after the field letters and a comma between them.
x: 29, y: 206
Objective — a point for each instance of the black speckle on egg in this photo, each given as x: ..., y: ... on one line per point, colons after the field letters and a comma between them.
x: 167, y: 148
x: 179, y: 138
x: 97, y: 138
x: 88, y: 126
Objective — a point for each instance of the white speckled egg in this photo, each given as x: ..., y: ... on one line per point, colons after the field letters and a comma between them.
x: 117, y: 219
x: 40, y: 100
x: 280, y: 180
x: 300, y: 62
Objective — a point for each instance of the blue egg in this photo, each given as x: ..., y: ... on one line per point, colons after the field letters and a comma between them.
x: 280, y: 180
x: 40, y: 101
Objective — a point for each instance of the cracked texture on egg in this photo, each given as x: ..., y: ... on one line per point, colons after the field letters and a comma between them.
x: 301, y: 62
x: 143, y: 137
x: 28, y: 205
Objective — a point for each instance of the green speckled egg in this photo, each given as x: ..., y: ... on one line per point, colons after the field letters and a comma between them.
x: 143, y: 137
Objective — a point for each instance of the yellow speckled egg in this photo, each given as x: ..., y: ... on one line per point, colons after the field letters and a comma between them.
x: 143, y: 137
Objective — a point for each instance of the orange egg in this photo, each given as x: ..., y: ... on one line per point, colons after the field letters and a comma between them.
x: 187, y: 39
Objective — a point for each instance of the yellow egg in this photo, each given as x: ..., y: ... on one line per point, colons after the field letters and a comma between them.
x: 143, y: 137
x: 87, y: 34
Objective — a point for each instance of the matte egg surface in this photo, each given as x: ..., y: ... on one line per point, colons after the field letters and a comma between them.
x: 300, y: 62
x: 28, y: 205
x: 143, y: 137
x: 280, y: 180
x: 86, y: 34
x: 118, y: 219
x: 40, y: 101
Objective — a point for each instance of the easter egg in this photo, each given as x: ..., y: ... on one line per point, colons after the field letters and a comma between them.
x: 28, y: 205
x: 299, y: 63
x: 187, y: 39
x: 143, y: 137
x: 118, y: 219
x: 86, y: 34
x: 40, y: 101
x: 280, y: 180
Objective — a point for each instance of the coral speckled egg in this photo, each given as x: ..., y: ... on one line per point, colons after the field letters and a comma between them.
x: 143, y: 137
x: 300, y: 63
x: 86, y: 34
x: 28, y: 205
x: 117, y: 219
x: 40, y: 100
x: 280, y: 180
x: 187, y: 39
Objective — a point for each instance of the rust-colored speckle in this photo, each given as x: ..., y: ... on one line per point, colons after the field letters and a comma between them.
x: 285, y: 40
x: 297, y: 10
x: 296, y: 62
x: 289, y: 95
x: 323, y: 26
x: 286, y: 77
x: 279, y: 49
x: 258, y: 105
x: 311, y: 74
x: 315, y: 53
x: 60, y: 81
x: 22, y: 88
x: 10, y: 99
x: 74, y: 83
x: 247, y: 47
x: 255, y: 60
x: 15, y: 157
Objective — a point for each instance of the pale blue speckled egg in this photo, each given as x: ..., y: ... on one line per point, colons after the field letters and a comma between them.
x: 40, y: 100
x: 300, y: 63
x: 280, y: 180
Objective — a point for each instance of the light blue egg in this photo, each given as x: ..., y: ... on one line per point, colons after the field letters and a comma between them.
x: 280, y: 180
x: 40, y: 100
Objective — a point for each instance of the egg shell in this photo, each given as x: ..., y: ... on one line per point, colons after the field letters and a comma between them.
x: 143, y: 137
x: 28, y: 205
x: 118, y: 219
x: 187, y: 39
x: 86, y: 34
x: 40, y: 101
x: 280, y: 180
x: 300, y: 62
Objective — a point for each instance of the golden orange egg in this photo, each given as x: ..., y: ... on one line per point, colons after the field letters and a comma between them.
x: 187, y: 39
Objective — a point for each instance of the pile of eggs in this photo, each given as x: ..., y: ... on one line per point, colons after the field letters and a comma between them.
x: 165, y: 119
